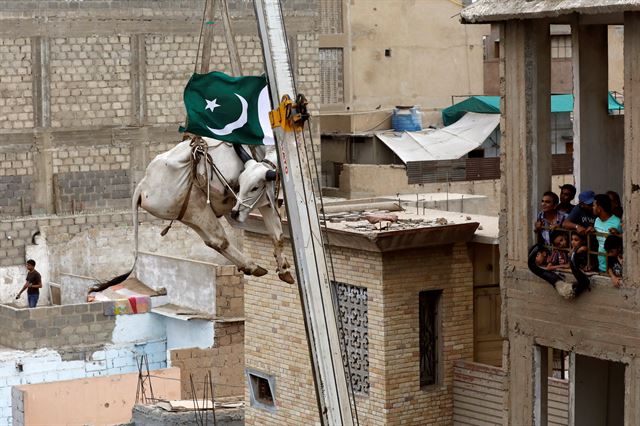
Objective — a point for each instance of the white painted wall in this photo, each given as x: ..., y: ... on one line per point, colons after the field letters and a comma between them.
x: 139, y: 328
x: 189, y: 334
x: 189, y: 283
x: 46, y: 365
x: 12, y: 278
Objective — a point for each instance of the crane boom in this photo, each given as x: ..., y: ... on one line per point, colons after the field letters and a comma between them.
x: 306, y: 237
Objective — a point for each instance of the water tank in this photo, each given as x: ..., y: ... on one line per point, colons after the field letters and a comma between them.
x: 406, y: 119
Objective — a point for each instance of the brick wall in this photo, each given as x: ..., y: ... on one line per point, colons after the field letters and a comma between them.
x: 55, y: 326
x: 225, y: 361
x: 276, y: 344
x: 229, y: 292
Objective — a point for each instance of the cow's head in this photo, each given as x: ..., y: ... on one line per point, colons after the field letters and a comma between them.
x: 253, y: 188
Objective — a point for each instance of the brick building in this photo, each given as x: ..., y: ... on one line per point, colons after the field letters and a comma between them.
x: 406, y: 300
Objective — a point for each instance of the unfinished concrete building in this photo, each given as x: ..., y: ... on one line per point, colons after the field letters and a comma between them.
x: 600, y: 328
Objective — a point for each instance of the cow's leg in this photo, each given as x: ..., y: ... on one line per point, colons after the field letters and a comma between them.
x: 200, y: 217
x: 274, y: 227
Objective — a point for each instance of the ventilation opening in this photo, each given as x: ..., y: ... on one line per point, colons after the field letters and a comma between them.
x: 262, y: 390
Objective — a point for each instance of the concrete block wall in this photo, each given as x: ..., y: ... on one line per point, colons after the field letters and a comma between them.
x: 97, y: 86
x: 46, y: 365
x: 16, y: 234
x: 55, y: 326
x: 225, y: 361
x: 16, y: 103
x: 276, y: 343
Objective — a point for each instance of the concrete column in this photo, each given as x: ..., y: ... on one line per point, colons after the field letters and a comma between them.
x: 41, y: 82
x: 43, y: 198
x: 138, y: 80
x: 631, y: 194
x: 521, y: 379
x: 526, y: 150
x: 43, y: 194
x: 598, y: 137
x: 632, y: 384
x: 541, y: 394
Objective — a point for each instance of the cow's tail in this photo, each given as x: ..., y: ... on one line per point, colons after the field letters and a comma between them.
x: 120, y: 278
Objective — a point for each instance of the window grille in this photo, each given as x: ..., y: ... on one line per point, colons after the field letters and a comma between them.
x: 429, y: 314
x: 331, y: 76
x: 561, y: 47
x: 331, y: 17
x: 354, y: 333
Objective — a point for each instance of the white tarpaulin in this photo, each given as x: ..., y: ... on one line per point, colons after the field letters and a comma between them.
x: 449, y: 143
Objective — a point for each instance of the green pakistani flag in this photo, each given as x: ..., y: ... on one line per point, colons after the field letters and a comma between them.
x: 231, y: 109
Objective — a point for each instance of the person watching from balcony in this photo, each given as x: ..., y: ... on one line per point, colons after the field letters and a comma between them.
x: 613, y: 247
x: 606, y: 223
x: 549, y: 218
x: 567, y: 194
x: 579, y: 251
x: 616, y: 205
x: 559, y: 255
x: 582, y: 218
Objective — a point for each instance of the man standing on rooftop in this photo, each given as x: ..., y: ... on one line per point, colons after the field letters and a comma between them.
x: 33, y: 284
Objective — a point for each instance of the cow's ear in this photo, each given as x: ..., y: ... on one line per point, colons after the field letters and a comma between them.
x: 270, y: 176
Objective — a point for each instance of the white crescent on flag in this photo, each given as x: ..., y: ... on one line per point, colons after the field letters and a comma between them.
x: 234, y: 125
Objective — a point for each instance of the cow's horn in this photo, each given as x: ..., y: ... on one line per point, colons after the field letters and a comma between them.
x: 271, y: 175
x: 241, y: 153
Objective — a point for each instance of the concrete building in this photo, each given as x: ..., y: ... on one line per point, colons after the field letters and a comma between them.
x: 375, y: 55
x: 600, y: 328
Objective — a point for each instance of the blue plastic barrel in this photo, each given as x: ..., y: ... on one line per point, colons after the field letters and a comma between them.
x: 406, y: 119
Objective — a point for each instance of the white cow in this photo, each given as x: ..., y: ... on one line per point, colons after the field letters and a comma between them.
x: 172, y: 190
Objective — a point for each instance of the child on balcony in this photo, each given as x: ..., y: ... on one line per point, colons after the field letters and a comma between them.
x: 579, y: 251
x: 613, y: 247
x: 559, y: 258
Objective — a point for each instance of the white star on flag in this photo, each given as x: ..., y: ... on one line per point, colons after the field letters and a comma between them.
x: 211, y: 104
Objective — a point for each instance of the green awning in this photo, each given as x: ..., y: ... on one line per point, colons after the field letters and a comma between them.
x: 491, y: 105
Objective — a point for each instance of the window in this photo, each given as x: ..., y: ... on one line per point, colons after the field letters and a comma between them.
x: 331, y: 76
x: 261, y: 390
x: 429, y: 314
x: 354, y: 333
x: 561, y: 46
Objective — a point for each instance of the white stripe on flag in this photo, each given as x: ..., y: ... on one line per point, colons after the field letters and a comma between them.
x: 264, y: 106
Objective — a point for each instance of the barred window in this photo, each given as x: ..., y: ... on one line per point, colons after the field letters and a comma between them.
x: 354, y: 333
x: 331, y: 16
x: 429, y: 314
x: 331, y: 76
x: 561, y: 46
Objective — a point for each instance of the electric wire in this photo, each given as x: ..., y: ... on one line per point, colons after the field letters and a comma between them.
x: 304, y: 188
x: 337, y: 316
x: 331, y: 270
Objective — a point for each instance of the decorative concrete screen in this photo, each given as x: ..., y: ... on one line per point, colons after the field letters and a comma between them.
x: 352, y: 308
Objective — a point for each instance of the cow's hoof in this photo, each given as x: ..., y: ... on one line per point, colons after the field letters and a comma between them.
x: 565, y: 290
x: 287, y: 277
x: 259, y: 271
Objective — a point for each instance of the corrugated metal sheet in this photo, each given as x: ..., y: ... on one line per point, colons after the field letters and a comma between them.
x: 478, y: 396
